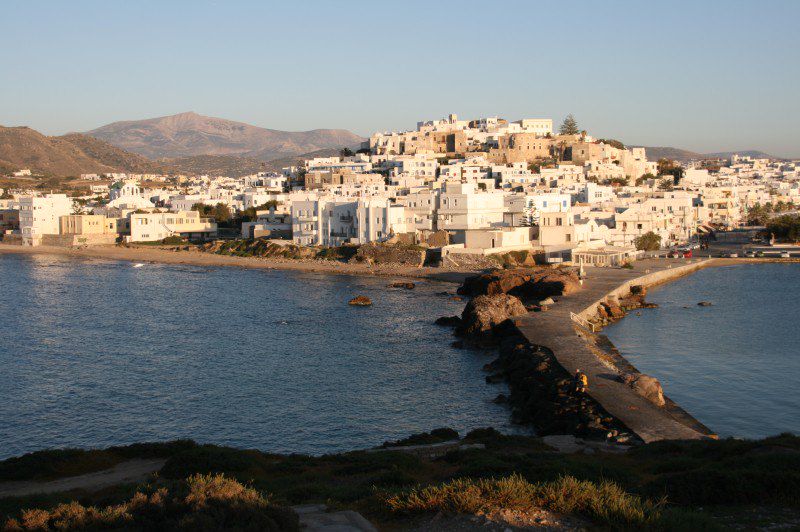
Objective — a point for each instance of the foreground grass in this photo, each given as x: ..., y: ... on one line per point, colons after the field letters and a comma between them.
x: 603, y: 503
x: 201, y: 502
x: 660, y: 486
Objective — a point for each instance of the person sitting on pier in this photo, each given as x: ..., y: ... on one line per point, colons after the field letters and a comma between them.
x: 581, y: 381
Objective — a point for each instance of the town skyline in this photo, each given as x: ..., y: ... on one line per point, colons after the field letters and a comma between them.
x: 276, y: 67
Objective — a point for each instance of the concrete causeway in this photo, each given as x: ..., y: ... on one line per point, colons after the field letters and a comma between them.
x: 555, y: 330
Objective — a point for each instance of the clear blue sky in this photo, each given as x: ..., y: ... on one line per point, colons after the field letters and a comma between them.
x: 702, y: 75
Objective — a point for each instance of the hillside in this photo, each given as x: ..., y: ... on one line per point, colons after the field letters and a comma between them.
x: 275, y: 165
x: 655, y: 153
x: 228, y: 165
x: 68, y: 155
x: 190, y: 134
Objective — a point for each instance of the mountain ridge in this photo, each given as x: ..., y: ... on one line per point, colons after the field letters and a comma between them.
x: 67, y: 155
x: 190, y: 134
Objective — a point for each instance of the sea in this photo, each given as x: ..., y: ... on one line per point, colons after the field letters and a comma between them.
x: 734, y: 365
x: 95, y: 353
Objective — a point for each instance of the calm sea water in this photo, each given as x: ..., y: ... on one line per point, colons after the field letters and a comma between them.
x: 735, y: 365
x: 96, y: 353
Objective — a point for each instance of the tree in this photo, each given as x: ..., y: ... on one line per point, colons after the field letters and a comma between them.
x: 644, y: 178
x: 221, y: 213
x: 346, y: 152
x: 786, y: 227
x: 569, y: 126
x: 648, y: 242
x: 666, y: 184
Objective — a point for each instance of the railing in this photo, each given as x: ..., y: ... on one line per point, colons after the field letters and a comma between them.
x: 586, y: 324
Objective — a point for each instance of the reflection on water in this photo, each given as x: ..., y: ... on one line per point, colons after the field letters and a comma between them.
x: 96, y: 353
x: 735, y: 365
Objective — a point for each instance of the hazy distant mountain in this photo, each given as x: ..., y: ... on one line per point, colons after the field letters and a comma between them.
x: 190, y: 134
x: 655, y: 153
x: 68, y: 155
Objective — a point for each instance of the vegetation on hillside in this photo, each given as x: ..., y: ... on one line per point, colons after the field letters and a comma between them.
x: 670, y: 485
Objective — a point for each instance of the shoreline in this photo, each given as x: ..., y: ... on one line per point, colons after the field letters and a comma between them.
x: 167, y: 255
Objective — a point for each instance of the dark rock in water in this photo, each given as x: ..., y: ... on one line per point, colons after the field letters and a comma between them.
x: 456, y: 298
x: 458, y: 344
x: 448, y: 321
x: 402, y: 284
x: 425, y: 438
x: 646, y: 386
x: 500, y: 399
x: 360, y: 301
x: 494, y: 379
x: 705, y: 304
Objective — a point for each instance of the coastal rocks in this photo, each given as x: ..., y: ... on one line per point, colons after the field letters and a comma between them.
x: 646, y: 386
x: 542, y: 394
x: 402, y: 284
x: 534, y: 284
x: 705, y: 304
x: 360, y: 301
x: 448, y: 321
x: 484, y: 314
x: 396, y: 254
x: 614, y: 309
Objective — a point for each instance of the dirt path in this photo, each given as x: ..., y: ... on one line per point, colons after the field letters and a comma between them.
x: 122, y: 473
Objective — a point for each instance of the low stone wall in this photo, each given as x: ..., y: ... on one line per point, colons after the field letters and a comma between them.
x: 78, y: 240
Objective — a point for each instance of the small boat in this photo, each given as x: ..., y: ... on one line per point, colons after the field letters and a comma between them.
x: 138, y: 265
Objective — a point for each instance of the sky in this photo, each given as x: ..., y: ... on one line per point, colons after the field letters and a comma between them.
x: 700, y: 75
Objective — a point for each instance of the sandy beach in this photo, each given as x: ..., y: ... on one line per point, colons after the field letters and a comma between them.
x: 168, y: 255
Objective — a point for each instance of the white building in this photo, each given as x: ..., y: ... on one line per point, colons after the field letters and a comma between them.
x: 39, y: 216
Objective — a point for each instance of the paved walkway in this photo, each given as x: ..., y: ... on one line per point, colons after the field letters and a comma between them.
x: 122, y: 473
x: 555, y: 330
x: 316, y: 518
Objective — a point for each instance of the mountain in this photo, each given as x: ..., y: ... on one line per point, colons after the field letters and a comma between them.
x: 67, y: 155
x: 655, y: 153
x: 190, y: 134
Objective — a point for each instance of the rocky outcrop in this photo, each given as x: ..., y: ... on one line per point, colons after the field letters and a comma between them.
x: 646, y: 386
x: 614, y: 309
x: 402, y: 284
x: 392, y: 254
x: 484, y: 314
x: 530, y: 284
x: 360, y: 301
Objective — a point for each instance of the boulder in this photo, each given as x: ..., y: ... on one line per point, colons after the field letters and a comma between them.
x: 484, y: 313
x: 360, y: 301
x: 646, y: 386
x: 705, y: 304
x: 547, y: 301
x: 402, y: 284
x: 448, y: 321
